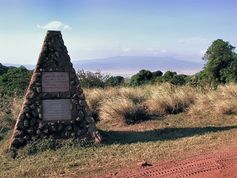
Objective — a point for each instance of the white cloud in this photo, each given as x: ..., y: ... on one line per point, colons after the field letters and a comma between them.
x: 193, y: 40
x: 55, y: 25
x: 155, y: 51
x: 125, y: 50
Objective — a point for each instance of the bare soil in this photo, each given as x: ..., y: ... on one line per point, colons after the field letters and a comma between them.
x: 217, y: 165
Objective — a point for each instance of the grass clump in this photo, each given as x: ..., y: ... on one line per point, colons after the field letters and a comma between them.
x: 7, y: 120
x: 134, y: 104
x: 169, y: 99
x: 122, y: 110
x: 217, y: 103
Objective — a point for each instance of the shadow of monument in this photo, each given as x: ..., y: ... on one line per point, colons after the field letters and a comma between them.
x: 165, y: 134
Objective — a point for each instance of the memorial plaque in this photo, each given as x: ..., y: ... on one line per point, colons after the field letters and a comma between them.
x: 57, y: 109
x: 55, y: 81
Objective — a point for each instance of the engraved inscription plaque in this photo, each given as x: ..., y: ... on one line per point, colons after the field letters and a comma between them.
x: 57, y: 109
x: 55, y: 81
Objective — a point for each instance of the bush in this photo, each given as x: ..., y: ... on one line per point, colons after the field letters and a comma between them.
x: 15, y: 81
x: 157, y: 74
x: 92, y: 80
x: 141, y: 78
x: 3, y: 69
x: 174, y: 78
x: 114, y: 81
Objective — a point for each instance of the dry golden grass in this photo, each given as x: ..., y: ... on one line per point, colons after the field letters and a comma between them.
x: 131, y: 104
x: 171, y: 138
x: 137, y: 103
x: 116, y: 104
x: 219, y: 102
x: 168, y: 99
x: 16, y: 106
x: 121, y: 110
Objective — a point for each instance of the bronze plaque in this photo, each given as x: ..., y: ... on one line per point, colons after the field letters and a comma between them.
x: 57, y: 109
x: 55, y: 81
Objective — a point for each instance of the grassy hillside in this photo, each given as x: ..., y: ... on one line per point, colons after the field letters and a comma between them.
x: 151, y: 123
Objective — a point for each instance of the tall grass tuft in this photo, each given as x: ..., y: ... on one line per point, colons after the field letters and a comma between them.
x: 222, y: 101
x: 133, y: 104
x: 169, y: 99
x: 122, y: 110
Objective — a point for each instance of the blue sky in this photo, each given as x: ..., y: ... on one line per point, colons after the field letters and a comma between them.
x: 102, y: 28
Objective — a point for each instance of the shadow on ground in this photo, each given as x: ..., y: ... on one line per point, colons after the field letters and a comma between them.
x: 165, y: 134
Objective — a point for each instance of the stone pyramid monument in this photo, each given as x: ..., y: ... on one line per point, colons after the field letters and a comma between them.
x: 54, y: 104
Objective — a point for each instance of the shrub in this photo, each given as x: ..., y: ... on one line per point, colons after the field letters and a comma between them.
x: 142, y: 77
x: 15, y: 81
x: 114, y: 81
x: 92, y: 80
x: 3, y: 69
x: 174, y: 78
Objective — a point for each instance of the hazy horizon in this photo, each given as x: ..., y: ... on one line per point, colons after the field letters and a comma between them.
x: 100, y: 29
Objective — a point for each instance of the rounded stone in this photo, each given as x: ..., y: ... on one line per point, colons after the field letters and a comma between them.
x: 90, y: 119
x: 26, y: 123
x: 28, y: 115
x: 38, y: 89
x: 38, y: 132
x: 46, y: 131
x: 69, y: 128
x: 82, y: 102
x: 18, y: 133
x: 22, y: 141
x: 81, y: 114
x: 30, y: 132
x: 73, y: 134
x: 67, y: 134
x: 57, y: 54
x: 53, y: 128
x: 32, y: 122
x: 82, y: 96
x: 41, y: 125
x: 27, y: 137
x: 78, y: 133
x: 32, y: 106
x: 60, y: 128
x: 20, y: 125
x: 16, y: 143
x: 40, y: 116
x: 39, y: 109
x: 34, y: 113
x: 26, y: 109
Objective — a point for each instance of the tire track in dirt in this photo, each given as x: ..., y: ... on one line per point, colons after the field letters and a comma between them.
x: 218, y: 165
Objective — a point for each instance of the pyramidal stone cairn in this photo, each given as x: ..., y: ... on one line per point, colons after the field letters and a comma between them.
x: 54, y: 104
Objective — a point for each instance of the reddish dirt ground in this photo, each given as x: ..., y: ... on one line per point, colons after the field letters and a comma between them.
x: 216, y: 165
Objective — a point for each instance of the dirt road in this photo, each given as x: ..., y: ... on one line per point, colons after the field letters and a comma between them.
x: 216, y: 165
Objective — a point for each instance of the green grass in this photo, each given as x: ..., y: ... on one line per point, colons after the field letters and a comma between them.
x: 154, y: 141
